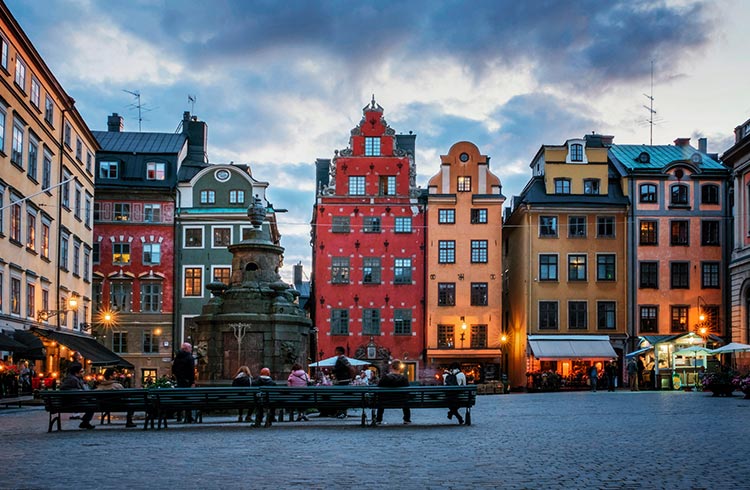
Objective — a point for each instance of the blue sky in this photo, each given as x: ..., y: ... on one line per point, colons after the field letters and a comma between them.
x: 281, y: 83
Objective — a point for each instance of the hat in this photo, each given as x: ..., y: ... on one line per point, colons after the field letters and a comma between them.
x: 265, y: 372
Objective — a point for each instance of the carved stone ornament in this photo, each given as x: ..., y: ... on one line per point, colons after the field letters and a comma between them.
x: 356, y: 131
x: 346, y: 152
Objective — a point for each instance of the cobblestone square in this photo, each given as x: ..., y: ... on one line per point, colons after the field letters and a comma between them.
x: 669, y: 440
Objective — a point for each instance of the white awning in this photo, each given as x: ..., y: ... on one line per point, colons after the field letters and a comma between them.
x: 571, y: 347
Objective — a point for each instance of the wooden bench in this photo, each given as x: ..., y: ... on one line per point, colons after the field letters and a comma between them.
x: 425, y: 397
x: 77, y: 401
x: 169, y: 400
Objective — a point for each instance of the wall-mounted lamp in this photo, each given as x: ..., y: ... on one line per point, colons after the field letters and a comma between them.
x: 44, y: 315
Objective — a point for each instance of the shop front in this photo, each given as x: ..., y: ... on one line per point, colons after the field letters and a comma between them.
x: 481, y: 366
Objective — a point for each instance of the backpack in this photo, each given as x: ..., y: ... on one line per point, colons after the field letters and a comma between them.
x: 451, y: 379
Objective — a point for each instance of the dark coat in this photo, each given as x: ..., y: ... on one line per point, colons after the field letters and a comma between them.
x: 183, y: 369
x: 393, y: 380
x: 263, y: 381
x: 72, y: 382
x: 242, y: 381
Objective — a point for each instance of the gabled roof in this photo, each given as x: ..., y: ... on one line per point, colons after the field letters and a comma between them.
x: 129, y: 142
x: 660, y: 156
x: 535, y: 193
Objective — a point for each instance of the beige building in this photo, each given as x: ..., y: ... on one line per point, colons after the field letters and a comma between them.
x: 565, y: 263
x: 46, y: 198
x: 464, y: 264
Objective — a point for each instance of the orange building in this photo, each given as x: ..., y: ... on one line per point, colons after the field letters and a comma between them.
x: 464, y: 264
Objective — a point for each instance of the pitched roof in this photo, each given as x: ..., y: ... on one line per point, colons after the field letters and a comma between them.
x: 129, y: 142
x: 660, y: 156
x: 536, y: 194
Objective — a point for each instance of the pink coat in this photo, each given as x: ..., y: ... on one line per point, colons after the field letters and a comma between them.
x: 297, y: 378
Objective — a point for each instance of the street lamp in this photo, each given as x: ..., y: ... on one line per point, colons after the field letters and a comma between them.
x: 44, y: 315
x: 463, y: 331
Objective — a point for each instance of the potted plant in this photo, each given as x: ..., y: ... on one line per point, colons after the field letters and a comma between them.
x: 743, y: 384
x: 720, y: 383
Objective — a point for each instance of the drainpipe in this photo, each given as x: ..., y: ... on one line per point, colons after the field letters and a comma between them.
x: 175, y: 268
x: 59, y: 216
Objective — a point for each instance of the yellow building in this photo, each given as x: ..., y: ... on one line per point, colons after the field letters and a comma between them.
x: 565, y: 264
x: 46, y: 198
x: 464, y: 264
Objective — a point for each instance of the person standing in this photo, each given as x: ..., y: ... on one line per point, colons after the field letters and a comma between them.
x: 394, y: 379
x: 593, y: 377
x: 110, y: 384
x: 641, y: 368
x: 74, y: 381
x: 454, y: 377
x: 183, y: 369
x: 633, y: 375
x: 343, y: 370
x: 610, y: 370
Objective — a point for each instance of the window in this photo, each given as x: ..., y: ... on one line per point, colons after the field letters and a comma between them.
x: 548, y: 315
x: 648, y: 193
x: 446, y: 251
x: 89, y: 161
x: 577, y: 226
x: 76, y: 258
x: 45, y: 240
x: 372, y: 146
x: 679, y: 318
x: 95, y: 254
x: 562, y: 186
x: 49, y: 109
x: 649, y: 275
x: 31, y: 168
x: 605, y: 226
x: 605, y: 267
x: 222, y: 236
x: 479, y: 251
x: 65, y: 189
x: 710, y: 194
x: 403, y: 225
x: 3, y: 115
x: 120, y: 342
x: 151, y: 253
x: 387, y: 185
x: 77, y: 199
x: 193, y: 281
x: 709, y: 275
x: 548, y: 226
x: 222, y: 274
x: 15, y: 296
x: 79, y: 149
x: 679, y: 233
x: 16, y: 155
x: 577, y: 267
x: 680, y: 275
x: 710, y: 233
x: 86, y: 263
x: 578, y: 315
x: 120, y: 295
x: 64, y: 240
x: 591, y: 186
x: 478, y: 294
x: 150, y: 297
x: 340, y: 224
x: 67, y: 134
x: 606, y: 315
x: 679, y: 194
x: 576, y: 152
x: 122, y: 211
x: 446, y: 216
x: 88, y: 202
x: 548, y: 267
x: 478, y: 216
x: 45, y: 299
x: 236, y: 196
x: 150, y: 342
x: 120, y: 253
x: 31, y: 230
x: 356, y: 185
x: 479, y: 336
x: 340, y: 270
x: 445, y: 337
x: 194, y: 237
x: 155, y: 170
x: 371, y: 270
x: 402, y: 271
x: 402, y: 322
x: 446, y: 294
x: 46, y: 170
x: 370, y: 321
x: 464, y: 184
x: 108, y: 170
x: 339, y: 321
x: 648, y: 233
x: 648, y: 318
x: 20, y: 73
x: 15, y: 221
x: 30, y: 300
x: 208, y: 197
x: 152, y: 213
x: 371, y: 224
x: 4, y: 53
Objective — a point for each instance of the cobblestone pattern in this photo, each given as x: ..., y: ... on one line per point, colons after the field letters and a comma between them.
x: 654, y: 440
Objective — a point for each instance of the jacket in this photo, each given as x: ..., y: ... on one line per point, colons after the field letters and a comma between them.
x: 183, y: 369
x: 264, y: 381
x: 72, y: 382
x: 393, y: 380
x: 109, y: 384
x: 242, y: 379
x: 297, y: 378
x: 460, y: 377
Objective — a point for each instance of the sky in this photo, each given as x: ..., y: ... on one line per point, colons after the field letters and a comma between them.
x: 281, y: 83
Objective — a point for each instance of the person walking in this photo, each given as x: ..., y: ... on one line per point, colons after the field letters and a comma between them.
x: 454, y: 377
x: 183, y: 369
x: 298, y: 378
x: 74, y: 381
x: 110, y: 384
x: 394, y: 379
x: 593, y: 377
x: 641, y: 368
x: 244, y: 378
x: 633, y: 375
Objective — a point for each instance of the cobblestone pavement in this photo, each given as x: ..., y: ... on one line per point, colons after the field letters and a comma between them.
x: 553, y: 440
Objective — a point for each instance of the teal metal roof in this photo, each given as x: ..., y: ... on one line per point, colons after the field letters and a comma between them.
x: 660, y: 156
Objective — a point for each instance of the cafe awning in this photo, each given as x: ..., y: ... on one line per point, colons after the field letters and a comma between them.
x: 89, y: 348
x: 639, y: 351
x: 551, y: 347
x: 7, y: 343
x: 34, y: 348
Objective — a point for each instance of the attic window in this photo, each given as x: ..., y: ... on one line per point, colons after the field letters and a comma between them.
x: 644, y: 157
x: 372, y: 147
x: 696, y: 158
x: 576, y: 152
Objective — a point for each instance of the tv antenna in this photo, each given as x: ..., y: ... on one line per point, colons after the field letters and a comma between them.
x: 191, y: 101
x: 650, y: 108
x: 137, y: 95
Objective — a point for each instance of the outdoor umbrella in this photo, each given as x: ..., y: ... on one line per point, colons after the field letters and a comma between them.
x: 732, y: 347
x: 694, y: 351
x: 331, y: 361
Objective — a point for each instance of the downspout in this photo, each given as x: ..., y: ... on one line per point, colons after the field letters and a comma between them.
x: 59, y: 216
x: 175, y: 267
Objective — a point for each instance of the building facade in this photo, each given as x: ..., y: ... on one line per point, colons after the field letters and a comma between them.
x: 565, y: 264
x: 368, y: 248
x: 46, y: 199
x: 464, y: 265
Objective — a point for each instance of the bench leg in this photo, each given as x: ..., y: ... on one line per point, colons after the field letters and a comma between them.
x: 468, y: 416
x: 52, y: 421
x: 364, y: 418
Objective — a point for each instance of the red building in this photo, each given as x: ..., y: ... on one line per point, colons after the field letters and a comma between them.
x: 368, y: 248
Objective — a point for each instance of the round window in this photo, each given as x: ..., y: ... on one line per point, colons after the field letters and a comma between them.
x: 464, y: 157
x: 222, y: 175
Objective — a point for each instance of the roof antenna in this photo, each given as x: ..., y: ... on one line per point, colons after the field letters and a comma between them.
x: 137, y: 95
x: 650, y: 108
x: 191, y: 101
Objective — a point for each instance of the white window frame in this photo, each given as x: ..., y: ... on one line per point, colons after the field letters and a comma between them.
x: 221, y: 266
x: 36, y: 91
x: 203, y: 237
x: 231, y: 236
x: 202, y: 285
x: 20, y: 75
x: 156, y: 170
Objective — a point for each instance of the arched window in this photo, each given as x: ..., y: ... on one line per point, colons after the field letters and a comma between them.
x: 576, y: 152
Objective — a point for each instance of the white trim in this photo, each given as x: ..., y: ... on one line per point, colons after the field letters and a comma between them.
x: 203, y: 280
x: 231, y: 236
x: 221, y: 266
x: 184, y: 237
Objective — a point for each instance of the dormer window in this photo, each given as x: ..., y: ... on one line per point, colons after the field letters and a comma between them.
x: 591, y: 186
x: 372, y: 146
x: 562, y: 186
x: 644, y: 157
x: 576, y: 152
x: 108, y: 170
x: 155, y: 171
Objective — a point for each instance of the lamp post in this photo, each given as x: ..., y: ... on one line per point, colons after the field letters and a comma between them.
x: 463, y: 331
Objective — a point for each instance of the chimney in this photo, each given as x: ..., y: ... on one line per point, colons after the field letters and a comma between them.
x: 703, y: 145
x: 682, y: 142
x: 197, y: 134
x: 298, y: 274
x: 115, y: 123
